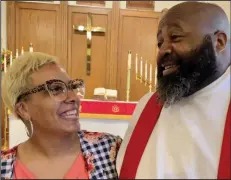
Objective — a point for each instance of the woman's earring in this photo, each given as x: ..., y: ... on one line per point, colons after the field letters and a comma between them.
x: 29, y: 130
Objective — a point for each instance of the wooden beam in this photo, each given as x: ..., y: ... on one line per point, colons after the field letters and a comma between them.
x: 91, y: 3
x: 140, y: 5
x: 11, y: 26
x: 112, y: 66
x: 62, y: 24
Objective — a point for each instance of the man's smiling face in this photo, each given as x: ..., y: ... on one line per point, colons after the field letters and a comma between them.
x: 186, y: 56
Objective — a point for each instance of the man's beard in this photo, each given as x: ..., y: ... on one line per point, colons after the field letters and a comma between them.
x: 194, y: 70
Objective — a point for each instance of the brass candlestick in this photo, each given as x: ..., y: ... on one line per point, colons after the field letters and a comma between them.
x: 128, y: 85
x: 145, y: 82
x: 150, y: 86
x: 128, y: 76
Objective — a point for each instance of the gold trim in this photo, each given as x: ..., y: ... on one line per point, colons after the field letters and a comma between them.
x: 105, y: 116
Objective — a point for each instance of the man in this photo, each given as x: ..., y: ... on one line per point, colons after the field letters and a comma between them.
x: 183, y: 130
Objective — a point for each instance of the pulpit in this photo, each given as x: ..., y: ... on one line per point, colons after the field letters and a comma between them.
x: 119, y: 110
x: 106, y: 116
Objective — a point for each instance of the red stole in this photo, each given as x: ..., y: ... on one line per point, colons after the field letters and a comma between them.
x: 143, y: 130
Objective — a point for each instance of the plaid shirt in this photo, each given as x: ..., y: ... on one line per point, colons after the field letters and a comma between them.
x: 99, y: 151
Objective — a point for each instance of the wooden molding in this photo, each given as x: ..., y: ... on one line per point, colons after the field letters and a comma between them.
x: 11, y: 26
x: 91, y: 3
x: 112, y: 65
x: 140, y: 5
x: 62, y: 24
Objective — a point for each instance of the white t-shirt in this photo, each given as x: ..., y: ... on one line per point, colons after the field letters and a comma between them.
x: 187, y: 139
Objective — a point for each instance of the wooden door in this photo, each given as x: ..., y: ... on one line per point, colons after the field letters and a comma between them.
x: 42, y: 24
x: 100, y: 47
x: 137, y: 33
x: 37, y: 23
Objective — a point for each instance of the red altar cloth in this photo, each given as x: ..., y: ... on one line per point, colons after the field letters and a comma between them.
x: 107, y: 109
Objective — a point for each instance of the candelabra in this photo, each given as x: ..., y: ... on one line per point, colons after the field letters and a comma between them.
x: 144, y: 81
x: 7, y: 60
x: 139, y: 76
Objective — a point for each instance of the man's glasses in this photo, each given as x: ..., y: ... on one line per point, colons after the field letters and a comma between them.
x: 57, y: 89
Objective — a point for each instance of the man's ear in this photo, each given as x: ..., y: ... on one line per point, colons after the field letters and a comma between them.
x: 220, y: 41
x: 21, y: 110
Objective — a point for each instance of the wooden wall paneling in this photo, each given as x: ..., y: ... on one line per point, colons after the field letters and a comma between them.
x: 140, y: 5
x: 112, y: 64
x: 91, y: 3
x: 137, y: 33
x: 77, y: 46
x: 62, y: 33
x: 11, y: 24
x: 37, y: 23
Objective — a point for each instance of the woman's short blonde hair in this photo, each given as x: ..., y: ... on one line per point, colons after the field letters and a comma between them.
x: 17, y: 78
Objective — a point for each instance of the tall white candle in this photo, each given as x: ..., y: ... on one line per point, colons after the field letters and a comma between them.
x: 16, y: 53
x: 128, y: 74
x: 129, y: 59
x: 141, y: 67
x: 31, y: 48
x: 22, y: 51
x: 155, y: 76
x: 136, y: 63
x: 150, y: 74
x: 5, y: 63
x: 146, y: 71
x: 11, y: 58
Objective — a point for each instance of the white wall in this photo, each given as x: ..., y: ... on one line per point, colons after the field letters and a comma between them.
x: 116, y: 127
x: 17, y: 129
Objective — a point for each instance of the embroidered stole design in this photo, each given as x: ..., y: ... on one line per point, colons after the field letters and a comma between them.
x: 143, y: 130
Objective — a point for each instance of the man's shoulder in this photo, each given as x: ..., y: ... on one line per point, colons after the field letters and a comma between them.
x: 146, y: 98
x: 141, y: 105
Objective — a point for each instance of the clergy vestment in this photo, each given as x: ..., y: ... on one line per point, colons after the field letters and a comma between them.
x: 187, y: 138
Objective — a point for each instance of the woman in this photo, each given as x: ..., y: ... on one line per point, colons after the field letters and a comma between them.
x: 40, y: 92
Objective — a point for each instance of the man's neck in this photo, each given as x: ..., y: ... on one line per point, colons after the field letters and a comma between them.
x: 49, y: 145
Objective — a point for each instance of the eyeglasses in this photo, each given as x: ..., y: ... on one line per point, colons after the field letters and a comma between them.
x: 57, y: 89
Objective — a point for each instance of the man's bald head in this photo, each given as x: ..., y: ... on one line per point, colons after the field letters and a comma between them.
x: 194, y: 49
x: 204, y: 15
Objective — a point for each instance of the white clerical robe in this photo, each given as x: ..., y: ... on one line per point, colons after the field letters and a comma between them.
x: 186, y: 141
